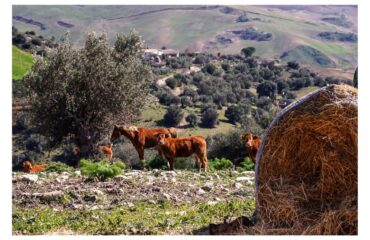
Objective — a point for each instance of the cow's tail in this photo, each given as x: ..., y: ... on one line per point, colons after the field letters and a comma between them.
x: 173, y: 132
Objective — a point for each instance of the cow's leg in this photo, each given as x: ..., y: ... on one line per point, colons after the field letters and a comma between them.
x: 160, y: 152
x: 198, y: 163
x: 171, y: 162
x: 140, y: 151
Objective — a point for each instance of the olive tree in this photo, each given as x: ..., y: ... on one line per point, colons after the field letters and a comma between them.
x: 81, y: 93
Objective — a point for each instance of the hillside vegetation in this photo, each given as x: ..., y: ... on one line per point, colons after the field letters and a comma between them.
x: 21, y: 63
x: 200, y: 28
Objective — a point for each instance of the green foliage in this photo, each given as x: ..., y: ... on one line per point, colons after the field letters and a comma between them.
x: 83, y: 92
x: 226, y: 145
x: 220, y: 164
x: 21, y: 63
x: 157, y: 162
x: 247, y: 165
x: 173, y: 82
x: 247, y: 52
x: 123, y: 219
x: 192, y: 119
x: 173, y: 116
x: 58, y: 167
x: 236, y: 113
x: 101, y: 170
x: 267, y: 88
x: 209, y: 118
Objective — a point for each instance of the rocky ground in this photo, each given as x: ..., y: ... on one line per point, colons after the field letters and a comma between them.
x: 71, y: 193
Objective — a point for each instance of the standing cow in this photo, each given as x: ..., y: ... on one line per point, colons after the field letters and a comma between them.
x: 184, y: 147
x: 142, y: 138
x: 252, y: 143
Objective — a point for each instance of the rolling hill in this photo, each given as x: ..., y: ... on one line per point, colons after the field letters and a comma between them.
x: 206, y: 28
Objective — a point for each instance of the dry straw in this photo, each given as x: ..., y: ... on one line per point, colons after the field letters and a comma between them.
x: 307, y: 165
x: 306, y: 172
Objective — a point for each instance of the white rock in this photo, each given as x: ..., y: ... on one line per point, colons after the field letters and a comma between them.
x: 131, y: 173
x: 78, y: 173
x: 208, y: 186
x: 29, y: 178
x: 164, y: 196
x: 200, y: 191
x: 242, y: 179
x: 97, y: 191
x: 173, y: 180
x: 211, y: 203
x: 119, y: 178
x: 249, y: 182
x: 238, y: 185
x: 130, y: 205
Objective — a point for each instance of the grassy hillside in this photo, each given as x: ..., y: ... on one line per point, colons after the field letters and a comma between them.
x: 196, y: 27
x: 21, y: 63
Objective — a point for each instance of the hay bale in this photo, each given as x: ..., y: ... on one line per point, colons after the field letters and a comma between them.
x: 306, y: 171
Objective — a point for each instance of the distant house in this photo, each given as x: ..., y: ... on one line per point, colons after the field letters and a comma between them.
x: 170, y: 53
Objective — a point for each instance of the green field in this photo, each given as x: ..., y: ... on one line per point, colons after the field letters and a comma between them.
x: 21, y: 63
x: 181, y: 28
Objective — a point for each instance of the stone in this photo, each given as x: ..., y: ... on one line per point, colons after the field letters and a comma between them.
x: 211, y: 203
x: 238, y: 185
x: 119, y: 178
x: 241, y: 179
x: 29, y: 178
x: 52, y: 196
x: 200, y: 191
x: 208, y: 186
x: 164, y: 196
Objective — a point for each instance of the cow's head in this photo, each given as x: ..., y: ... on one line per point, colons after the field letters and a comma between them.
x: 162, y: 138
x: 248, y: 139
x: 27, y: 165
x: 116, y: 133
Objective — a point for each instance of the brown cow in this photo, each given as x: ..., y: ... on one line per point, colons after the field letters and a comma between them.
x: 183, y: 147
x: 142, y: 138
x: 28, y: 167
x: 107, y: 150
x: 252, y: 143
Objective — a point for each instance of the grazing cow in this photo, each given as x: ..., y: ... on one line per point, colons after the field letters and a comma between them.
x: 252, y: 143
x: 183, y: 147
x: 142, y: 138
x: 107, y: 150
x: 30, y: 168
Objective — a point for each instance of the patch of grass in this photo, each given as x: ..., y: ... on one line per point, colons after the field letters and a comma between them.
x: 58, y: 167
x: 21, y: 63
x: 157, y: 162
x: 101, y: 170
x: 145, y: 218
x: 304, y: 91
x: 246, y: 165
x: 220, y: 164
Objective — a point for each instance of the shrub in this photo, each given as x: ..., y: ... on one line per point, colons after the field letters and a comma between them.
x: 247, y: 165
x: 293, y: 65
x: 220, y: 164
x: 157, y: 162
x: 173, y: 116
x: 210, y: 118
x: 235, y: 113
x: 192, y: 119
x: 101, y: 170
x: 267, y: 88
x: 58, y: 167
x: 227, y: 146
x: 173, y: 82
x: 209, y: 68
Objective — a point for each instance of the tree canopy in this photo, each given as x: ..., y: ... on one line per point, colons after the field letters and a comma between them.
x: 81, y: 93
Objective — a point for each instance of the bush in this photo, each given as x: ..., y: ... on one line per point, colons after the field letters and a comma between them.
x: 192, y: 119
x: 173, y: 82
x: 210, y: 118
x: 220, y: 164
x: 293, y: 65
x: 157, y: 162
x: 247, y: 165
x: 227, y: 146
x: 235, y: 113
x: 101, y: 170
x: 173, y: 116
x: 209, y: 68
x: 267, y: 88
x: 58, y: 167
